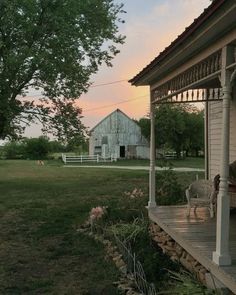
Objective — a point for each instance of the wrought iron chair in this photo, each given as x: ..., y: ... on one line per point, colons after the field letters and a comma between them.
x: 201, y: 193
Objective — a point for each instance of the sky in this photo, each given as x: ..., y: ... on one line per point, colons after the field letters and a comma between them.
x: 150, y: 26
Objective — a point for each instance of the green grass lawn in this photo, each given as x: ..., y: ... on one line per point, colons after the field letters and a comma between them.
x: 189, y: 162
x: 40, y: 209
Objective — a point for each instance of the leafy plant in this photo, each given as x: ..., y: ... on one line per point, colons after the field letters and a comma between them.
x: 154, y: 262
x: 185, y: 284
x: 169, y: 191
x: 129, y: 231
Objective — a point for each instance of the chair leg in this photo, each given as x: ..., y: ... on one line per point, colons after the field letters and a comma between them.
x: 188, y: 210
x: 211, y: 210
x: 187, y: 194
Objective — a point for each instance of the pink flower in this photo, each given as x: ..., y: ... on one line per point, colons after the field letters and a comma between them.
x: 96, y: 213
x: 136, y: 193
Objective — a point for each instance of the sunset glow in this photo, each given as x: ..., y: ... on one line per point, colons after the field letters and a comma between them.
x: 149, y: 27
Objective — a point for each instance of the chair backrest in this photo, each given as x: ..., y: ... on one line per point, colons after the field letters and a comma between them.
x: 201, y: 188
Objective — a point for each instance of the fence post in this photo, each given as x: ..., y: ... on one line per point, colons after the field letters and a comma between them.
x: 97, y: 158
x: 63, y: 158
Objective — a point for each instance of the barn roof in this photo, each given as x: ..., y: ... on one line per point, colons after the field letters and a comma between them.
x: 117, y: 110
x: 190, y: 30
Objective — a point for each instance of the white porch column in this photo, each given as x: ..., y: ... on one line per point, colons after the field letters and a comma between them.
x: 152, y: 172
x: 206, y: 139
x: 221, y: 256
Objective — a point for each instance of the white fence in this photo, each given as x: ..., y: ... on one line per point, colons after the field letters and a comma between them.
x: 86, y: 158
x: 170, y: 155
x: 173, y: 155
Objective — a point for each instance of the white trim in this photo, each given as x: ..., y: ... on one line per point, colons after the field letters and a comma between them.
x: 221, y: 255
x: 152, y: 171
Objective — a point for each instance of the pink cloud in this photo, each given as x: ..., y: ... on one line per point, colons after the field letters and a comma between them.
x: 147, y: 35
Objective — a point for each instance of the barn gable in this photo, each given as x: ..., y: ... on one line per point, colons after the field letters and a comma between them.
x: 119, y: 136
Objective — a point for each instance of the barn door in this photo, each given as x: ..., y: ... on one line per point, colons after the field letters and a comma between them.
x: 122, y: 151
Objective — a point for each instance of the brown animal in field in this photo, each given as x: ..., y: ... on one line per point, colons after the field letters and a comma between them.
x: 40, y: 163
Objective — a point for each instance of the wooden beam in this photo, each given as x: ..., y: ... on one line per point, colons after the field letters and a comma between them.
x: 152, y: 172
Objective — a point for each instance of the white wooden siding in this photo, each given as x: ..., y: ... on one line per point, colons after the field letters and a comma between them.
x: 215, y: 125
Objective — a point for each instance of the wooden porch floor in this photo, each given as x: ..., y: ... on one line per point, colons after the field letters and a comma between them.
x: 197, y: 235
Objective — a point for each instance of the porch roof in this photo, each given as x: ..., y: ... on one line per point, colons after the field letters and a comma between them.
x: 215, y: 21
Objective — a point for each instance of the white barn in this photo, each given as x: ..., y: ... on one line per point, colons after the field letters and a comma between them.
x: 118, y: 136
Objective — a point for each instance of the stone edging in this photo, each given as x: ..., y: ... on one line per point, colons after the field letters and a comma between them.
x: 125, y: 284
x: 176, y: 252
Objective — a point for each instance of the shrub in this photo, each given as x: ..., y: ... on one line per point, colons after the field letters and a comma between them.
x: 37, y: 148
x: 169, y: 191
x: 14, y: 150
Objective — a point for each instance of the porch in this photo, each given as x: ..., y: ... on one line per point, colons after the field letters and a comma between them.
x: 197, y: 236
x: 200, y: 66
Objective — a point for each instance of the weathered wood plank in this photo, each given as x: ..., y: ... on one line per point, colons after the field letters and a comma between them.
x: 197, y: 235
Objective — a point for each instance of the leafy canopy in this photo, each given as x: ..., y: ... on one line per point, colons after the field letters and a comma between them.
x: 179, y: 127
x: 53, y: 46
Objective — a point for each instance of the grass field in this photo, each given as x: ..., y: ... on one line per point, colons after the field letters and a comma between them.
x: 189, y: 162
x: 41, y: 208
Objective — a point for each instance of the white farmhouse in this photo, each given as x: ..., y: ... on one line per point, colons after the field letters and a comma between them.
x: 118, y: 136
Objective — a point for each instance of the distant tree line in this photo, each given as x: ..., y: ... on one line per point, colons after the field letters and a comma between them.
x: 177, y: 127
x: 41, y: 148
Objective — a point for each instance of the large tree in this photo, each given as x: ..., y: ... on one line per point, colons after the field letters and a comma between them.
x: 53, y: 46
x: 170, y: 127
x: 177, y: 126
x: 194, y: 135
